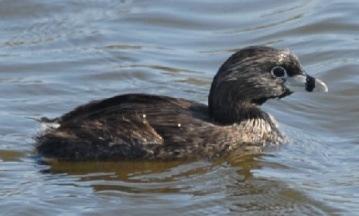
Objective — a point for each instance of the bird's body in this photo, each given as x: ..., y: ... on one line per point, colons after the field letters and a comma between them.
x: 140, y: 126
x: 150, y: 127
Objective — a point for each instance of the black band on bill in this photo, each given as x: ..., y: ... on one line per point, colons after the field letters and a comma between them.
x: 310, y: 83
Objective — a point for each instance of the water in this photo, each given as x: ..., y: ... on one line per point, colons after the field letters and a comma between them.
x: 55, y: 55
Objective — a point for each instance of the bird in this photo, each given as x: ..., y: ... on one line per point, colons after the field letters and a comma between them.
x: 155, y: 127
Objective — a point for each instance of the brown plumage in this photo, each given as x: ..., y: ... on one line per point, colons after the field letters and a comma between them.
x: 140, y: 126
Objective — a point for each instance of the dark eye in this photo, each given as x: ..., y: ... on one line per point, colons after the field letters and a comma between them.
x: 279, y: 71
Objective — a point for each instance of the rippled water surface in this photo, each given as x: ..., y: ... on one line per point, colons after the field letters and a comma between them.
x: 55, y: 55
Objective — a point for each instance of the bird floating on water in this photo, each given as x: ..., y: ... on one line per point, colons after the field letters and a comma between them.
x: 143, y: 126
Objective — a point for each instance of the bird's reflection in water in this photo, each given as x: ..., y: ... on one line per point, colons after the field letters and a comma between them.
x: 112, y: 175
x: 231, y: 182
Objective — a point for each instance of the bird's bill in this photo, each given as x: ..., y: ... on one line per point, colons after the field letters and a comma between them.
x: 304, y: 82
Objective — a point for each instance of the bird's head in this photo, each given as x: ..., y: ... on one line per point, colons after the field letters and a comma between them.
x: 255, y: 74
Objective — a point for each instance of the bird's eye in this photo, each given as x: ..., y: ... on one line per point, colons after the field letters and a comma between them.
x: 279, y: 71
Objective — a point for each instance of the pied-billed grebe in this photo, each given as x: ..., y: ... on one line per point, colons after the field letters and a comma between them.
x: 140, y: 126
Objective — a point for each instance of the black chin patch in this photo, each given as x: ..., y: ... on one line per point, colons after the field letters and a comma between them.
x: 310, y: 83
x: 260, y: 101
x: 285, y: 93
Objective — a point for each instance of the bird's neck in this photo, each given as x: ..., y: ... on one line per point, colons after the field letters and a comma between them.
x: 247, y: 118
x: 230, y: 113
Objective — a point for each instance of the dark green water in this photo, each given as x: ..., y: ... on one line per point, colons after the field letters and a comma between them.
x: 55, y: 55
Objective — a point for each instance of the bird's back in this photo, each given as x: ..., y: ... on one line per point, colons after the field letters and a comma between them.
x: 130, y: 126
